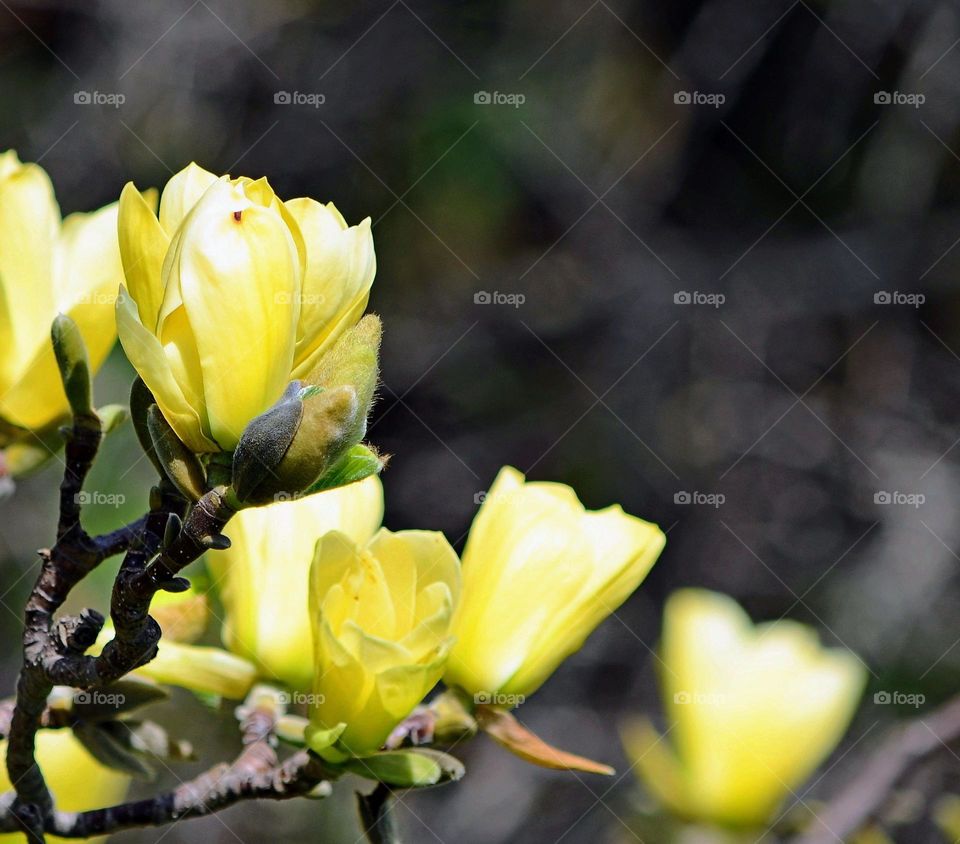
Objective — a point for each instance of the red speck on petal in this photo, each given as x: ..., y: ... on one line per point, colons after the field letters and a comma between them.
x: 237, y: 215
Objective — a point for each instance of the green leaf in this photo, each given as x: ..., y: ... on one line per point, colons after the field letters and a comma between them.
x: 358, y: 463
x: 112, y: 416
x: 409, y: 768
x: 320, y: 739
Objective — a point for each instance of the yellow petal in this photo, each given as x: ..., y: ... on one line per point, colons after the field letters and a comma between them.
x: 536, y: 539
x: 143, y: 245
x: 29, y: 226
x: 148, y: 358
x: 238, y: 275
x: 264, y: 575
x: 340, y: 267
x: 181, y: 193
x: 756, y: 708
x: 77, y: 780
x: 364, y: 601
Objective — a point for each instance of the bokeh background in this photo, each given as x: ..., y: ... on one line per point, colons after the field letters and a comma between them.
x: 661, y: 252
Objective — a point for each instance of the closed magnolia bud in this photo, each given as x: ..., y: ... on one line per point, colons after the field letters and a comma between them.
x: 71, y: 354
x: 754, y: 710
x: 287, y: 450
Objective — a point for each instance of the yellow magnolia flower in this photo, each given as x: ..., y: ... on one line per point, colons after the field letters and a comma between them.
x: 755, y: 710
x: 381, y: 615
x: 539, y: 574
x: 263, y: 576
x: 77, y: 781
x: 232, y: 293
x: 49, y: 267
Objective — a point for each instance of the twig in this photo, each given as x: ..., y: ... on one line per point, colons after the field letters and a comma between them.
x: 905, y: 749
x: 256, y: 773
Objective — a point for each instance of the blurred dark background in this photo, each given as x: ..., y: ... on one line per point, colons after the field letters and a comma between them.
x: 720, y: 243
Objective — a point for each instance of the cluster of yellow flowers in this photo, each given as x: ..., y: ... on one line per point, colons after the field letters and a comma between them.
x: 223, y: 294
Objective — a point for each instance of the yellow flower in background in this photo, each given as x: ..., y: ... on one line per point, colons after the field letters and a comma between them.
x: 755, y: 709
x: 539, y: 574
x: 263, y: 576
x: 230, y: 294
x: 382, y: 614
x: 77, y: 781
x: 49, y: 267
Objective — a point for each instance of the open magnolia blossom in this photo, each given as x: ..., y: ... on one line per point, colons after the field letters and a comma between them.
x: 232, y: 293
x: 76, y: 779
x: 49, y: 267
x: 753, y: 709
x: 262, y: 577
x: 540, y: 572
x: 381, y: 613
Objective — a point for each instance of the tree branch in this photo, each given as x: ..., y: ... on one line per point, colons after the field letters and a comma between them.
x: 902, y: 752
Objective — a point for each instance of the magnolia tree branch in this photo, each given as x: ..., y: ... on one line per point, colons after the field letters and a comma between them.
x: 905, y: 749
x: 54, y: 650
x: 256, y: 773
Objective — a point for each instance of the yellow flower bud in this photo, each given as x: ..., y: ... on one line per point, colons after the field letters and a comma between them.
x: 230, y: 294
x: 382, y: 614
x: 539, y: 574
x: 49, y: 267
x: 78, y: 782
x: 262, y: 577
x: 754, y: 709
